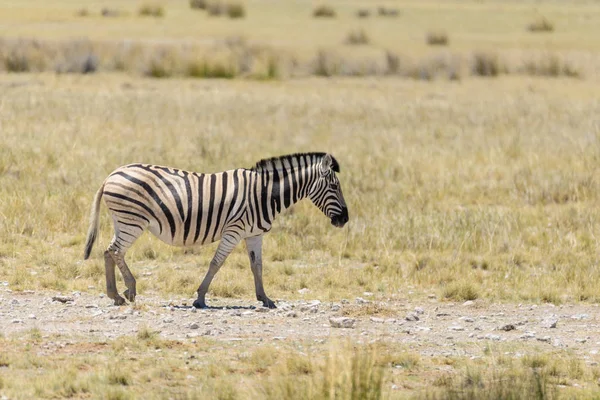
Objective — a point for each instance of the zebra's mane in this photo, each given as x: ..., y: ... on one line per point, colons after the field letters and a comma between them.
x: 269, y: 164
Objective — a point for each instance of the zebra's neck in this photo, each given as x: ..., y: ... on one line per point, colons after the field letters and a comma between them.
x: 283, y: 187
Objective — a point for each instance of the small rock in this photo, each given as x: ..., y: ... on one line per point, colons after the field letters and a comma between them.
x: 442, y: 314
x: 194, y: 326
x: 368, y: 294
x: 303, y: 291
x: 120, y: 316
x: 342, y: 322
x: 377, y: 320
x: 431, y: 296
x: 63, y: 299
x: 91, y: 306
x: 193, y: 310
x: 292, y: 314
x: 31, y: 316
x: 360, y: 300
x: 550, y: 322
x: 508, y: 327
x: 335, y: 307
x: 456, y: 328
x: 581, y: 340
x: 17, y: 321
x: 245, y: 313
x: 546, y: 339
x: 527, y: 335
x: 412, y: 317
x: 168, y: 320
x: 467, y: 319
x: 14, y: 301
x: 419, y: 310
x: 580, y: 316
x: 497, y: 338
x: 390, y: 320
x: 262, y: 309
x: 468, y: 303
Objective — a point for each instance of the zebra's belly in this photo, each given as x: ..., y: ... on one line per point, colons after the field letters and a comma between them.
x: 180, y: 240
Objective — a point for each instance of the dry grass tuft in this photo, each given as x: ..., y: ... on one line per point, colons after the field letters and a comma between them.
x: 236, y: 10
x: 82, y: 12
x: 216, y: 8
x: 151, y: 10
x: 324, y: 11
x: 363, y: 13
x: 357, y: 37
x: 438, y: 38
x: 486, y: 64
x: 199, y: 4
x: 387, y: 12
x: 542, y: 24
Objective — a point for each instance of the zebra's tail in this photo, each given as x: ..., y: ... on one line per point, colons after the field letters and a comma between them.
x: 94, y: 224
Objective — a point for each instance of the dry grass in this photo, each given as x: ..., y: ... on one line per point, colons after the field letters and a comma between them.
x: 357, y: 37
x: 324, y: 12
x: 151, y: 10
x: 437, y: 38
x: 542, y: 24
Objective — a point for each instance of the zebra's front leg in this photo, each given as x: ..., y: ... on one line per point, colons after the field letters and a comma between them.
x: 227, y: 244
x: 254, y: 246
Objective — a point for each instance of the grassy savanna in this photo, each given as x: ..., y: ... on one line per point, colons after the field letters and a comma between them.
x: 145, y: 366
x: 482, y: 189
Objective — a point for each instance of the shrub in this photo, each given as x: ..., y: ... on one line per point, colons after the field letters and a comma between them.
x: 236, y: 10
x: 324, y: 12
x: 437, y: 38
x: 541, y: 25
x: 486, y: 64
x: 151, y: 10
x: 550, y: 65
x: 358, y: 37
x: 363, y: 13
x: 82, y: 12
x: 198, y: 4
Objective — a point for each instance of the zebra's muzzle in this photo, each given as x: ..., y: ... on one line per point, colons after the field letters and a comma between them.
x: 340, y: 219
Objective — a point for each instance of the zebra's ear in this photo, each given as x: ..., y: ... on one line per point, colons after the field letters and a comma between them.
x: 326, y: 164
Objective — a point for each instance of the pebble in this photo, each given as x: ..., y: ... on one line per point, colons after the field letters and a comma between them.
x: 546, y: 339
x: 527, y: 335
x: 17, y: 321
x: 412, y: 317
x: 292, y: 314
x: 168, y: 320
x: 194, y: 326
x: 549, y: 322
x: 31, y: 316
x: 335, y: 307
x: 467, y: 319
x: 360, y: 300
x: 63, y: 299
x: 580, y: 316
x: 508, y: 327
x: 419, y: 310
x: 342, y: 322
x: 468, y: 303
x: 377, y: 320
x: 456, y: 328
x: 303, y: 291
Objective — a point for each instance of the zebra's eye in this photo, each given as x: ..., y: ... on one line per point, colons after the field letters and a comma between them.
x: 334, y: 186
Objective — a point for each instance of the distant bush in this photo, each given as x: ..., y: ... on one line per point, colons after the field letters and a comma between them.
x: 358, y: 37
x: 388, y: 12
x: 151, y: 10
x: 363, y: 13
x: 236, y: 10
x: 541, y: 25
x: 486, y: 64
x: 205, y: 69
x: 437, y: 38
x: 199, y: 4
x: 549, y: 65
x: 324, y: 12
x: 83, y: 12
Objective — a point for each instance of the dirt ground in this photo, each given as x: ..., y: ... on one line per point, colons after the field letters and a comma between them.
x: 432, y: 328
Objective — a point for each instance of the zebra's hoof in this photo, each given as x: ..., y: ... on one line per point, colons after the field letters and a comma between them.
x: 119, y: 301
x: 200, y: 303
x: 269, y: 304
x: 129, y: 295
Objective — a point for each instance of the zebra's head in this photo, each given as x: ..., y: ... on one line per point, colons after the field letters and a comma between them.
x: 326, y: 192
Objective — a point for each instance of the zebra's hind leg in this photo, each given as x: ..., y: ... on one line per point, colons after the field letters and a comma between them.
x: 227, y: 244
x: 111, y: 285
x: 130, y: 283
x: 254, y: 246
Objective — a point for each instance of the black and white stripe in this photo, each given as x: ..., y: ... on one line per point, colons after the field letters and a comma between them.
x: 185, y: 208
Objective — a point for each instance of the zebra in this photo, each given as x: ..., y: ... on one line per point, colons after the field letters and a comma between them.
x: 184, y: 208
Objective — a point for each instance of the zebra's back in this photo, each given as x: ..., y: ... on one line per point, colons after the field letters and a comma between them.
x: 180, y: 207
